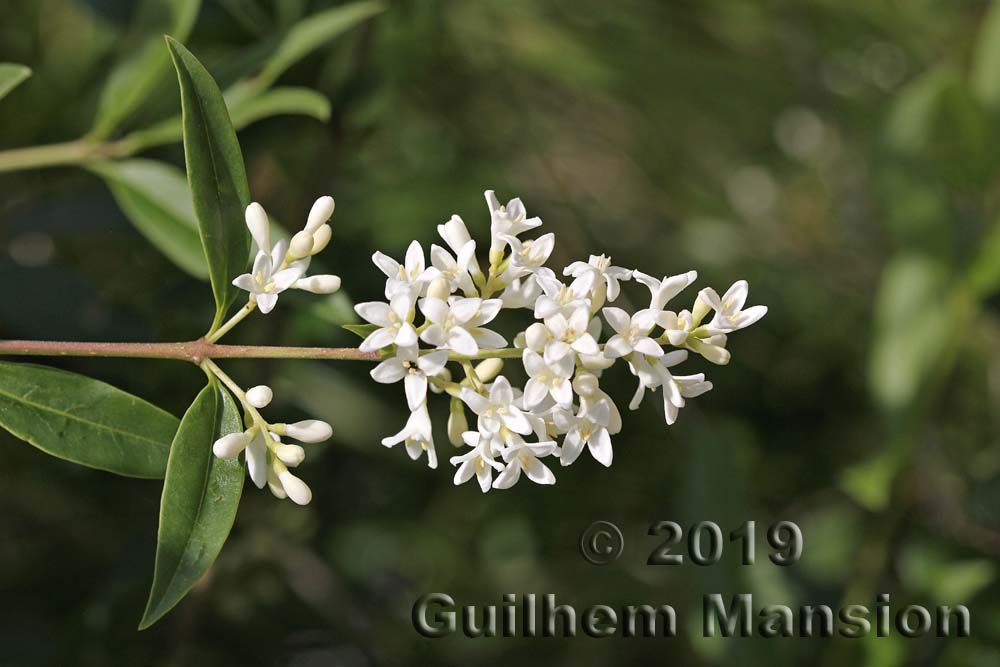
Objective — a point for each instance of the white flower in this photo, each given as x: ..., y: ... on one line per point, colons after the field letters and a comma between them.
x: 479, y: 462
x: 548, y: 376
x: 527, y: 257
x: 417, y: 436
x: 571, y: 333
x: 267, y: 279
x: 497, y: 411
x: 631, y: 333
x: 257, y: 456
x: 654, y: 373
x: 662, y: 291
x: 598, y: 273
x: 676, y: 326
x: 412, y: 275
x: 524, y: 456
x: 729, y: 313
x: 559, y: 298
x: 455, y: 271
x: 590, y: 428
x: 456, y: 235
x: 413, y: 368
x: 458, y: 324
x: 523, y: 292
x: 509, y: 220
x: 394, y: 319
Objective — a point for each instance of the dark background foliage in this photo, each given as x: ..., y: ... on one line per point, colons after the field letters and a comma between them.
x: 839, y: 155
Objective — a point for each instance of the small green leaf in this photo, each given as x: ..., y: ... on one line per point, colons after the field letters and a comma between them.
x: 85, y: 421
x: 155, y: 197
x: 200, y: 496
x: 362, y: 330
x: 11, y: 76
x: 216, y: 176
x: 311, y: 33
x: 279, y: 101
x: 136, y: 77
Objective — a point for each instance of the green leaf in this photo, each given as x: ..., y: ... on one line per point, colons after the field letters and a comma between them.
x: 155, y: 197
x: 362, y: 330
x: 985, y: 73
x: 11, y: 76
x: 278, y: 101
x: 136, y: 77
x: 200, y: 496
x: 85, y: 421
x: 311, y: 33
x: 216, y: 176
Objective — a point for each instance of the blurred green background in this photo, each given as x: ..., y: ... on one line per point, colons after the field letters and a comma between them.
x: 841, y: 156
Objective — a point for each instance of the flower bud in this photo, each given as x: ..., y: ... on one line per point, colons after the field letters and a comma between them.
x: 320, y: 212
x: 321, y: 284
x: 290, y: 455
x: 489, y: 369
x: 699, y: 310
x: 301, y: 245
x: 585, y: 384
x: 274, y: 484
x: 438, y: 289
x: 309, y: 430
x: 321, y: 238
x: 259, y: 226
x: 260, y: 396
x: 296, y: 489
x: 713, y: 353
x: 536, y: 336
x: 230, y: 446
x: 457, y: 423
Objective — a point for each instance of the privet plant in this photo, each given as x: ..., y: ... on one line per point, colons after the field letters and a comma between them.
x: 432, y: 332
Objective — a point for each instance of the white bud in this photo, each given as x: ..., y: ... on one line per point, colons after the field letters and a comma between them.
x: 457, y: 423
x: 320, y: 212
x: 274, y: 484
x: 321, y: 284
x: 260, y: 396
x: 309, y: 430
x: 700, y: 310
x: 321, y: 237
x: 258, y: 225
x: 301, y: 245
x: 230, y: 446
x: 536, y: 336
x: 585, y: 384
x: 296, y: 489
x: 290, y: 455
x: 713, y: 353
x: 489, y: 369
x: 439, y: 289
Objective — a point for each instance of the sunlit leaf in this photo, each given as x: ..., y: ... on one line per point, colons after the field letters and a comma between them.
x: 85, y: 421
x: 137, y: 76
x: 11, y: 76
x: 200, y: 496
x: 280, y: 101
x: 156, y: 199
x: 216, y: 175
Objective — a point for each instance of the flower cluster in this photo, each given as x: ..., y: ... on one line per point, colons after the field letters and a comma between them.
x: 275, y: 269
x: 439, y: 314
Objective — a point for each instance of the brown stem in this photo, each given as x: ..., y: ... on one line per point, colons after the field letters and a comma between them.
x: 194, y: 351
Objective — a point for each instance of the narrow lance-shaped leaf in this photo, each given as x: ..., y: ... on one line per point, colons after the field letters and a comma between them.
x: 216, y: 176
x: 138, y: 75
x: 155, y: 198
x: 11, y: 76
x: 86, y: 421
x: 200, y: 496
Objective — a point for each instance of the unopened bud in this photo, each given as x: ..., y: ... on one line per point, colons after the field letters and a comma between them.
x: 536, y: 336
x: 585, y: 384
x: 274, y: 484
x: 259, y: 226
x: 301, y: 245
x: 321, y: 284
x: 296, y: 489
x: 321, y: 238
x: 700, y: 310
x: 713, y: 353
x: 260, y: 396
x: 290, y: 455
x: 489, y: 369
x: 309, y: 430
x: 230, y: 446
x: 457, y: 423
x: 438, y: 289
x: 320, y: 212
